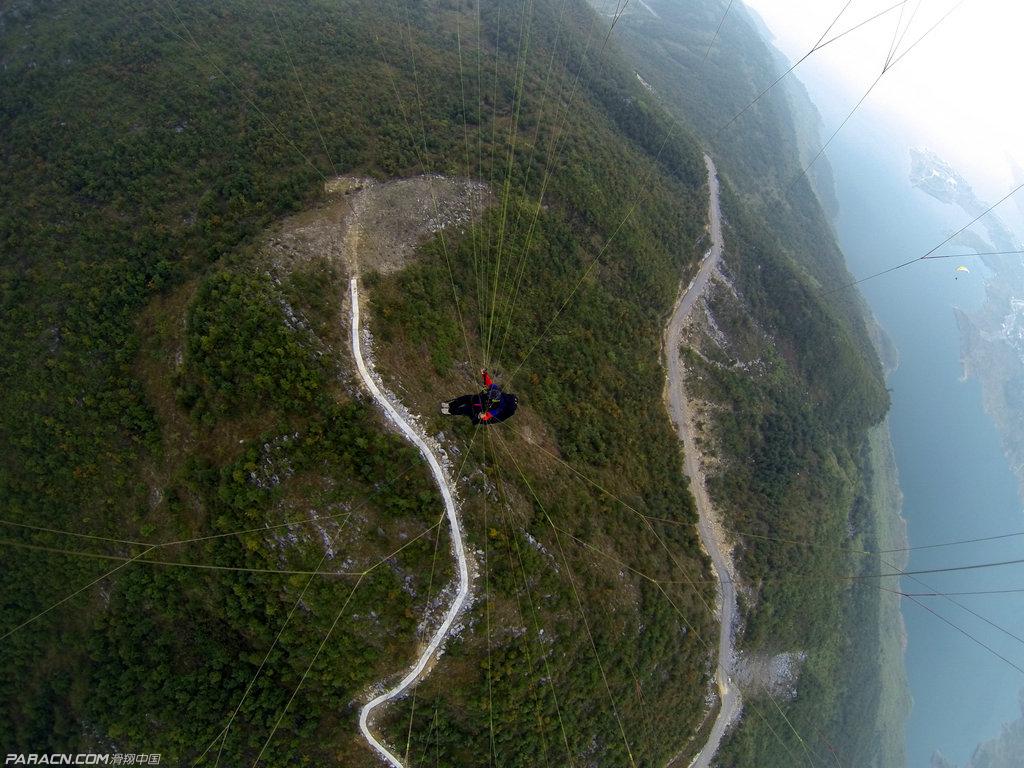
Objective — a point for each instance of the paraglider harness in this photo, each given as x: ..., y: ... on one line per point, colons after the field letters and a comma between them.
x: 490, y: 406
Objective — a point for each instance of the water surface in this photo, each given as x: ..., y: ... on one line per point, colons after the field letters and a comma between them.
x: 954, y: 477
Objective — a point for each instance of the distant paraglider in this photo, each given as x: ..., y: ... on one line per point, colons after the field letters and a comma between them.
x: 961, y: 270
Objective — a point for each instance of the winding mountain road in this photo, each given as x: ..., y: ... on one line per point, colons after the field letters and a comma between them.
x: 682, y: 418
x: 710, y: 535
x: 444, y: 483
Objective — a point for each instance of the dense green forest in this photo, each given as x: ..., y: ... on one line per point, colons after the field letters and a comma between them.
x: 167, y: 391
x: 167, y: 384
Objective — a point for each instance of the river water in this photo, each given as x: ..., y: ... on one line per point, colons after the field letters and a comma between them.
x: 955, y: 480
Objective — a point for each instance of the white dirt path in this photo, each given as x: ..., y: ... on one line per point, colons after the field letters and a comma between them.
x: 710, y: 530
x: 433, y: 649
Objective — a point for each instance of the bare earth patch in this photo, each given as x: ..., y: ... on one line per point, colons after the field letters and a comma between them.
x: 377, y: 225
x: 388, y: 220
x: 776, y: 676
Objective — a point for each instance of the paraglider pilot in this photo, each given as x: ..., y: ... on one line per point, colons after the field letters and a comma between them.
x: 490, y: 406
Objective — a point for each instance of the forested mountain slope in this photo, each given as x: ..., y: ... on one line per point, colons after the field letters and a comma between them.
x: 167, y: 382
x: 791, y: 386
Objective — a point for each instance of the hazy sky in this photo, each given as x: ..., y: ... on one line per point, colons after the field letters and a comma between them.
x: 959, y: 91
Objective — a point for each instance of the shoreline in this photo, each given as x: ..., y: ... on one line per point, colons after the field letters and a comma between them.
x: 895, y: 699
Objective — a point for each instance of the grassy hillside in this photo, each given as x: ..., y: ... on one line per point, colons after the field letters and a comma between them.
x: 165, y: 382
